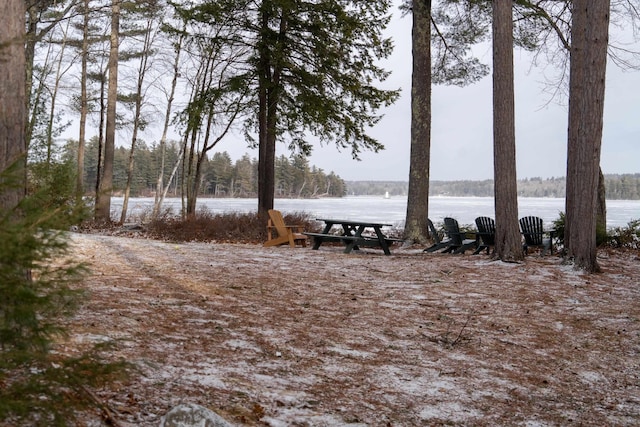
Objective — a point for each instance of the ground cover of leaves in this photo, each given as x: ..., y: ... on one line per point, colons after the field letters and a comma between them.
x: 297, y: 337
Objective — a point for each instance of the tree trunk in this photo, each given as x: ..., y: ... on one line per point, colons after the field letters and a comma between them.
x: 84, y: 103
x: 173, y: 174
x: 189, y: 177
x: 137, y: 114
x: 13, y: 104
x: 100, y: 138
x: 270, y: 68
x: 601, y: 209
x: 127, y: 188
x: 269, y: 156
x: 54, y: 96
x: 195, y: 174
x: 35, y: 96
x: 416, y: 223
x: 508, y: 244
x: 103, y: 205
x: 264, y: 150
x: 160, y: 191
x: 32, y: 13
x: 589, y: 40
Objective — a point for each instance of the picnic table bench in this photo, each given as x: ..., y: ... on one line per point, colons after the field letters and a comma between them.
x: 351, y: 235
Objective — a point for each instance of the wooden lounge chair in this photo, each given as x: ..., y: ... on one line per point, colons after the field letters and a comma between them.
x: 486, y: 236
x: 437, y: 241
x: 533, y: 233
x: 458, y: 242
x: 291, y: 234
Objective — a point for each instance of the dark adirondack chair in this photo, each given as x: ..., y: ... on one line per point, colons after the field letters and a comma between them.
x: 437, y: 241
x: 532, y: 228
x: 486, y: 235
x: 458, y: 242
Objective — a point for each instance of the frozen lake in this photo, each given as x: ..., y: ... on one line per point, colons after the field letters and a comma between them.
x: 391, y: 210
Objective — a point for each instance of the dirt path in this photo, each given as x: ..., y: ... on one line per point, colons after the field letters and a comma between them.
x: 295, y: 337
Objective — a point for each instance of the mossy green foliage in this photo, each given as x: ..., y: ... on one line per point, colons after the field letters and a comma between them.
x: 617, y: 237
x: 626, y: 237
x: 39, y: 386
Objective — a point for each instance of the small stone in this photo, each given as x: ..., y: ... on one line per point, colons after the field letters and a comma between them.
x: 192, y: 415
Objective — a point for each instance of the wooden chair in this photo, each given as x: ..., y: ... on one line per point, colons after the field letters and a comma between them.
x: 458, y: 242
x: 486, y: 236
x: 532, y: 228
x: 290, y: 234
x: 437, y: 241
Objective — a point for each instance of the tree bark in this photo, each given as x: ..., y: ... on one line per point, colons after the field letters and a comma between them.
x: 263, y: 81
x: 589, y: 41
x: 269, y: 91
x: 508, y: 246
x: 13, y: 105
x: 84, y: 102
x: 103, y: 203
x: 601, y: 208
x: 416, y: 223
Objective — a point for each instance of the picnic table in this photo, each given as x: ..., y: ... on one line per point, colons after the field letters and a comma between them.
x: 350, y: 233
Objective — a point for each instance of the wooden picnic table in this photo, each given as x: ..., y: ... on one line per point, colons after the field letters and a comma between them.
x: 351, y: 235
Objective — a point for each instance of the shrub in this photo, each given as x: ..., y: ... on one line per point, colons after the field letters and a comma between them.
x: 53, y: 184
x: 626, y: 237
x: 38, y: 386
x: 617, y: 237
x: 226, y: 227
x: 559, y: 226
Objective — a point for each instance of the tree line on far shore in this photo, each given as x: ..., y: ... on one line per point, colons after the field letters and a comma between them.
x: 220, y: 177
x: 618, y: 187
x: 296, y: 178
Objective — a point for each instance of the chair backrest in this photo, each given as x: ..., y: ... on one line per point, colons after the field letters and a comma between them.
x: 453, y: 230
x: 487, y: 229
x: 532, y: 230
x: 278, y: 221
x: 432, y: 230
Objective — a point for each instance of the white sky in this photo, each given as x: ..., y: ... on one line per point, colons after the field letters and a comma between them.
x: 461, y: 139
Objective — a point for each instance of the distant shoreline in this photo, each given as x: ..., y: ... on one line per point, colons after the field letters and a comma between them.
x: 617, y: 186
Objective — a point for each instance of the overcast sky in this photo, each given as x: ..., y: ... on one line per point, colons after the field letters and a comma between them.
x: 461, y: 138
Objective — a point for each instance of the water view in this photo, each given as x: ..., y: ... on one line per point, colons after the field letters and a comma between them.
x: 390, y: 210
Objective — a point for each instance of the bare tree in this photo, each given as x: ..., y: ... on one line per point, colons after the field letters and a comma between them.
x: 39, y: 22
x: 61, y: 70
x: 508, y: 245
x: 589, y: 41
x: 150, y: 12
x: 84, y: 103
x: 160, y: 189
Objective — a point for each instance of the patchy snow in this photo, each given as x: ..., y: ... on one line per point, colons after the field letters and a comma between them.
x: 296, y: 337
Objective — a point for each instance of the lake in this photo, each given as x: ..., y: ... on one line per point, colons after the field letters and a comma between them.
x: 391, y: 210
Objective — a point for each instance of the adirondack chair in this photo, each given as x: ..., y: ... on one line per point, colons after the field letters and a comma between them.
x: 486, y: 234
x: 437, y: 242
x: 290, y: 234
x: 458, y: 242
x: 532, y: 228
